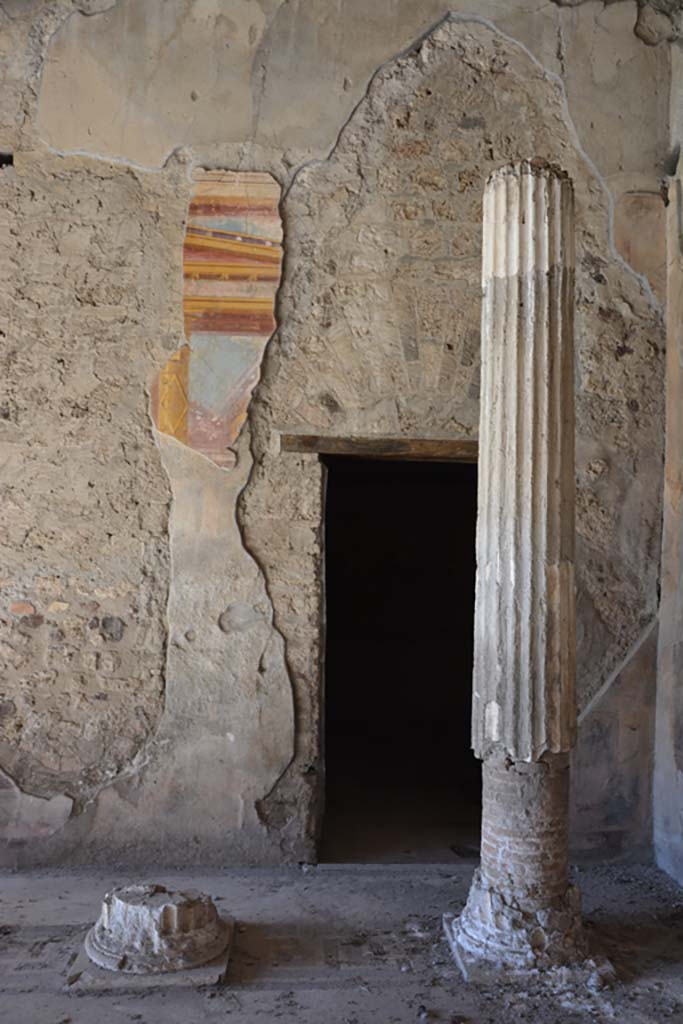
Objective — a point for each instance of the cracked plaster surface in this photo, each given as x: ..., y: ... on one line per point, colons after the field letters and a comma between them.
x: 657, y: 21
x: 379, y: 319
x: 86, y: 273
x: 265, y: 61
x: 112, y: 233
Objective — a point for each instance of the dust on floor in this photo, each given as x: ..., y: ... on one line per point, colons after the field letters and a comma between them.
x: 344, y: 945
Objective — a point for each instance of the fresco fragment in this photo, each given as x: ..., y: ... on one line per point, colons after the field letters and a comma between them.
x: 232, y: 259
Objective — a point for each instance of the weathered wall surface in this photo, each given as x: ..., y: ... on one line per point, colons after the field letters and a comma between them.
x: 87, y: 277
x: 668, y: 779
x: 611, y: 808
x: 169, y: 711
x: 379, y: 334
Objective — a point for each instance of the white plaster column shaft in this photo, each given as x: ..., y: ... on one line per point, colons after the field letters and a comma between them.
x: 524, y: 647
x: 522, y: 912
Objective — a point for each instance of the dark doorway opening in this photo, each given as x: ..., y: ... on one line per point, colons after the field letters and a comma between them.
x: 401, y: 781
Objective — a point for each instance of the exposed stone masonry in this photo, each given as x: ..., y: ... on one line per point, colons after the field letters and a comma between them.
x: 378, y: 315
x: 524, y: 830
x: 521, y: 910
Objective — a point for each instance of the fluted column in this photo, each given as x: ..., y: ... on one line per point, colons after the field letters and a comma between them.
x: 522, y: 911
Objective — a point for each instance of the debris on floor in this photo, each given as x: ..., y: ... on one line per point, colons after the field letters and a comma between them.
x: 347, y: 945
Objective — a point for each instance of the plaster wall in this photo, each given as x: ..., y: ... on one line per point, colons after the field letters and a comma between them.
x: 668, y: 786
x: 189, y: 733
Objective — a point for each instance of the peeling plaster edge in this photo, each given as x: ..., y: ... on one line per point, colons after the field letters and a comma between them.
x: 617, y: 670
x: 9, y: 774
x: 143, y: 755
x: 275, y: 629
x: 171, y: 567
x: 245, y: 144
x: 142, y: 758
x: 159, y: 434
x: 194, y: 156
x: 25, y: 791
x: 398, y: 55
x: 93, y: 14
x: 590, y: 164
x: 9, y: 841
x: 247, y: 434
x: 176, y: 153
x: 461, y: 18
x: 451, y: 16
x: 570, y: 5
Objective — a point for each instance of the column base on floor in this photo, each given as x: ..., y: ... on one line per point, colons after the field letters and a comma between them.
x: 496, y: 930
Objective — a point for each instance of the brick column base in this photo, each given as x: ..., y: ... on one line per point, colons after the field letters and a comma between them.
x: 521, y: 911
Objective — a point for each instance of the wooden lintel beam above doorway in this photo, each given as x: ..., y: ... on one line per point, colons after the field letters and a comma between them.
x: 408, y: 449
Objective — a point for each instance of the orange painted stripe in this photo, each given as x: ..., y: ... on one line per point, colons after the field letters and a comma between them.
x: 262, y: 324
x: 238, y: 207
x: 208, y: 255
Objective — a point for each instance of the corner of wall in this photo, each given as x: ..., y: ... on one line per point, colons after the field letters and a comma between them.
x: 668, y: 788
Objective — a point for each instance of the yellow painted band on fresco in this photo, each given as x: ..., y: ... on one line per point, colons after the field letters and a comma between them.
x: 268, y: 253
x: 174, y: 395
x: 199, y: 268
x: 205, y: 303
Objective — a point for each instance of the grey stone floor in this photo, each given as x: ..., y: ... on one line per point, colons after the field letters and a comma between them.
x: 347, y: 944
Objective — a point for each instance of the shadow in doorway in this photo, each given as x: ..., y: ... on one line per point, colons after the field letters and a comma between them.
x: 402, y: 783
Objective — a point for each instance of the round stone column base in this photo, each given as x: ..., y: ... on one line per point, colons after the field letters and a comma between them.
x: 496, y: 929
x: 147, y: 929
